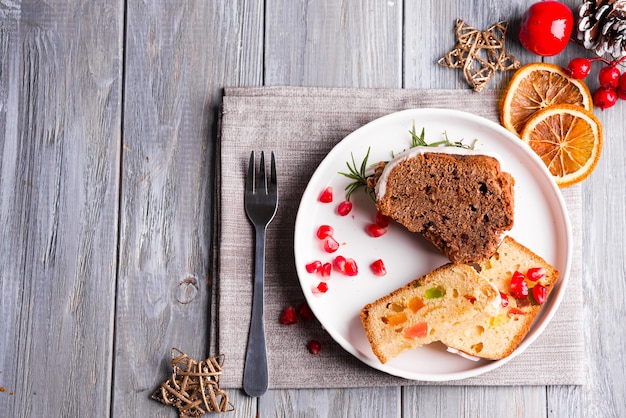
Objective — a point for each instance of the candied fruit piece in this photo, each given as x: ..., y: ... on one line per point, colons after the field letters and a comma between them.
x: 435, y: 292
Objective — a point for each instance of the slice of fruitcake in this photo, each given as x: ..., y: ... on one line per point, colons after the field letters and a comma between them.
x: 426, y: 309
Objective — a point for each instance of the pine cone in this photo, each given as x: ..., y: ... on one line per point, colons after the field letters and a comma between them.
x: 602, y: 26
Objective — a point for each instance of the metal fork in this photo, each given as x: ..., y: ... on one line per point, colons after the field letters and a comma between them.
x: 261, y: 203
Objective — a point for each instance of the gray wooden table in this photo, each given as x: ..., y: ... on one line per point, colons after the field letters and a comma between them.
x: 107, y: 130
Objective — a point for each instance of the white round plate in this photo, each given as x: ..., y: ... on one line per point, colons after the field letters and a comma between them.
x: 541, y: 224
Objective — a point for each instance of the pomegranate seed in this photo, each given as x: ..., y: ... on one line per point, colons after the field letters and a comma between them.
x: 325, y: 270
x: 313, y: 266
x: 288, y: 316
x: 330, y: 245
x: 378, y: 267
x: 305, y: 312
x: 375, y: 230
x: 351, y: 267
x: 540, y: 294
x: 325, y: 231
x: 340, y: 263
x: 519, y: 288
x: 327, y: 195
x: 382, y: 220
x: 536, y: 273
x: 322, y: 287
x: 314, y: 347
x: 504, y: 300
x: 344, y: 208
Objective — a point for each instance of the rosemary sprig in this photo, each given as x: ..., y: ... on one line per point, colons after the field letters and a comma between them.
x: 419, y: 141
x: 358, y: 175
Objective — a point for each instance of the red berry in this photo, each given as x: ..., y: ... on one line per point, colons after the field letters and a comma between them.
x: 340, y: 263
x: 322, y: 287
x: 305, y: 312
x: 540, y: 294
x: 519, y: 288
x: 382, y: 220
x: 314, y: 347
x: 604, y: 97
x: 288, y: 316
x: 327, y: 195
x: 378, y: 267
x: 621, y: 93
x: 579, y: 68
x: 330, y: 245
x: 536, y: 273
x: 351, y: 267
x: 504, y: 300
x: 325, y: 270
x: 609, y: 76
x: 622, y: 82
x: 313, y: 266
x: 325, y: 231
x: 344, y: 208
x: 376, y: 230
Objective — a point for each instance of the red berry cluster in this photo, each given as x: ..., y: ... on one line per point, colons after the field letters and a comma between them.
x: 612, y: 81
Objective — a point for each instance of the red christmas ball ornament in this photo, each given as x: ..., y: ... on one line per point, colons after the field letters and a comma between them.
x: 546, y: 28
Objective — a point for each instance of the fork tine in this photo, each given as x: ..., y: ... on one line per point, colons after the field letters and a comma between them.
x: 273, y: 182
x: 261, y: 181
x: 250, y: 177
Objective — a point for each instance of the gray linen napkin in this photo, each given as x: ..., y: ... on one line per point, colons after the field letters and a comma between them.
x: 302, y: 125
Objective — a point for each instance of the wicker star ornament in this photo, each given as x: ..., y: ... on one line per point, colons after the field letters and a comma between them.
x: 480, y: 53
x: 193, y: 388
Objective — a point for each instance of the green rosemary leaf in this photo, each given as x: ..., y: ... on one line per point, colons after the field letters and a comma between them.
x: 417, y: 140
x: 356, y: 174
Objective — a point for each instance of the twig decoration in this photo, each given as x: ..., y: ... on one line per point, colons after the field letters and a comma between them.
x: 480, y: 53
x: 194, y: 386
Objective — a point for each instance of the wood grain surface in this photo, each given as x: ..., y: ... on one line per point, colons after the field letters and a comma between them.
x: 108, y: 123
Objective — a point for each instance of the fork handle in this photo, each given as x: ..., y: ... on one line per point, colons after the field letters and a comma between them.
x: 255, y: 373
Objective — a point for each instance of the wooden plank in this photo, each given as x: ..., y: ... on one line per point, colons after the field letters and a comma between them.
x: 604, y: 267
x: 502, y: 401
x: 337, y: 43
x: 333, y: 44
x: 60, y: 119
x: 179, y: 55
x: 319, y: 403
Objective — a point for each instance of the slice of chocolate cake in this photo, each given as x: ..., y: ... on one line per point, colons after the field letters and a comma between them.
x: 459, y: 200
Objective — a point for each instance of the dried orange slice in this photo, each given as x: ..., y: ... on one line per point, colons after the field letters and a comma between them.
x: 536, y: 86
x: 568, y: 139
